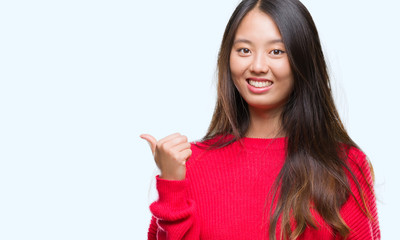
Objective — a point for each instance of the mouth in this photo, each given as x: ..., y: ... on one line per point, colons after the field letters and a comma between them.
x: 259, y: 82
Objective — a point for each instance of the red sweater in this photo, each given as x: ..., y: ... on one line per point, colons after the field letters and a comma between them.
x: 223, y: 196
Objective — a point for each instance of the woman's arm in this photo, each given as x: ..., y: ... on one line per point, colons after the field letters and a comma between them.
x: 363, y: 223
x: 174, y: 215
x: 173, y: 212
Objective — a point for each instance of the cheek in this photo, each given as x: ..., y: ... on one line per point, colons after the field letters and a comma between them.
x: 233, y: 65
x: 235, y: 68
x: 288, y: 81
x: 282, y: 70
x: 237, y: 65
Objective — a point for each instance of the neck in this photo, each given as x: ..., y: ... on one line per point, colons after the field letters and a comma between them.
x: 264, y: 124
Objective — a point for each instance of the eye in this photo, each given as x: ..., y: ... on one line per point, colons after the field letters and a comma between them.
x: 244, y: 51
x: 277, y: 52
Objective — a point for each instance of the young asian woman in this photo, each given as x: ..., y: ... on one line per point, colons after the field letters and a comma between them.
x: 276, y: 161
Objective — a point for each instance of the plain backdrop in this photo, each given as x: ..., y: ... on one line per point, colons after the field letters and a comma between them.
x: 80, y: 80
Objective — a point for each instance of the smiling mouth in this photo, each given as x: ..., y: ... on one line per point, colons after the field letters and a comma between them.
x: 259, y: 84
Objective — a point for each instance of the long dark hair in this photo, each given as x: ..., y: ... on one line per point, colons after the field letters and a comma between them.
x: 317, y: 142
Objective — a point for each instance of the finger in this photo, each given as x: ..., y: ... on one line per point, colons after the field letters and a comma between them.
x: 185, y: 154
x: 175, y: 141
x: 169, y: 137
x: 181, y: 147
x: 150, y: 140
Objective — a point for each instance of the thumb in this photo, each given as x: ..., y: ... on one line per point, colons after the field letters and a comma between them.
x: 150, y: 140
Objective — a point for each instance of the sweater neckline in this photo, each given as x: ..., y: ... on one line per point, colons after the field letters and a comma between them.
x: 249, y: 142
x: 263, y: 143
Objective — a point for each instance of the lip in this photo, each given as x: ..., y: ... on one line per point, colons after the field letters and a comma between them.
x: 258, y: 90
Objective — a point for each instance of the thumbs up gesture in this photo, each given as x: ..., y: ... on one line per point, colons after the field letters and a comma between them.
x: 170, y: 155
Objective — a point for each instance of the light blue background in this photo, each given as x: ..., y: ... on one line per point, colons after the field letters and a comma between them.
x: 81, y: 80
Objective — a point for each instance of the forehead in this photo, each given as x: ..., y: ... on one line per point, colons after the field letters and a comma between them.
x: 257, y: 26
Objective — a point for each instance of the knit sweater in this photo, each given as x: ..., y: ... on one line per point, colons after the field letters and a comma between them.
x: 224, y: 195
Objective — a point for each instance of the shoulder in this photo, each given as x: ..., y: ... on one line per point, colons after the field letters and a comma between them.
x: 199, y: 148
x: 359, y: 163
x: 356, y: 156
x: 360, y: 173
x: 214, y: 146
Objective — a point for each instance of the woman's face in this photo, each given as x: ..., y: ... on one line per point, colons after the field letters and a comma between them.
x: 259, y: 64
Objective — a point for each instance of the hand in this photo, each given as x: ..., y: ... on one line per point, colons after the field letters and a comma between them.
x: 170, y: 155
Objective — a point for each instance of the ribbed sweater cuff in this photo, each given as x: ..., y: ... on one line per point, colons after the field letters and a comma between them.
x: 172, y: 193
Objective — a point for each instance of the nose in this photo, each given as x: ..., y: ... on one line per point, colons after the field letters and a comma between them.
x: 259, y: 64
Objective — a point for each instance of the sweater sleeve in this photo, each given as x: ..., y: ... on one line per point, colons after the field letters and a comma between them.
x: 174, y: 215
x: 353, y: 211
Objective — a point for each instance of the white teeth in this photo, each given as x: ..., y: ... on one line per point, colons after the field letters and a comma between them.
x: 260, y: 84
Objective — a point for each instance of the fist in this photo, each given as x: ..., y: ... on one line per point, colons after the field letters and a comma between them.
x: 170, y: 155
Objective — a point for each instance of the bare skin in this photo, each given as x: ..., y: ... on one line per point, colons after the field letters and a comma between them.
x: 264, y: 124
x: 258, y: 52
x: 170, y: 155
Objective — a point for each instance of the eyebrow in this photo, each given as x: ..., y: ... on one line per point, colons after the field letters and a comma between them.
x: 242, y: 40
